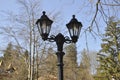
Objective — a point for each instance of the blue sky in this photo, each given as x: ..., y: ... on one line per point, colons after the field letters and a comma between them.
x: 84, y: 11
x: 6, y: 5
x: 66, y: 8
x: 81, y: 9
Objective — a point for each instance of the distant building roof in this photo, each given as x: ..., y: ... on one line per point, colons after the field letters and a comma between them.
x: 10, y: 68
x: 1, y: 62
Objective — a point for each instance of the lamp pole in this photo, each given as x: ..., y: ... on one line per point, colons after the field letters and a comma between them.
x: 74, y: 27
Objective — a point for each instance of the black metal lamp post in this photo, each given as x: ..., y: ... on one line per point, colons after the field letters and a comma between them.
x: 74, y: 27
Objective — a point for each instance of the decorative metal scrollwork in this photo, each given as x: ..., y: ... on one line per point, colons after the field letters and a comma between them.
x: 67, y: 40
x: 52, y: 38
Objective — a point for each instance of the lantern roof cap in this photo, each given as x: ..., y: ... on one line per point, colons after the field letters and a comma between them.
x: 44, y: 17
x: 74, y: 21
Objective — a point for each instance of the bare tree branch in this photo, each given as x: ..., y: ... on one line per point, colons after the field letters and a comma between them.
x: 95, y: 15
x: 111, y: 4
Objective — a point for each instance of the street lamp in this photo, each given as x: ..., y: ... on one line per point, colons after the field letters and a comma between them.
x: 74, y: 27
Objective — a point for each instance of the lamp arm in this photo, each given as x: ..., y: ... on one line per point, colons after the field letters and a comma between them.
x: 60, y: 40
x: 51, y: 38
x: 67, y: 40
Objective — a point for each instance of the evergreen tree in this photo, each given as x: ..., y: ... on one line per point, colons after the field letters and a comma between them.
x: 108, y: 57
x: 8, y: 53
x: 84, y: 68
x: 15, y: 67
x: 70, y: 63
x: 48, y: 64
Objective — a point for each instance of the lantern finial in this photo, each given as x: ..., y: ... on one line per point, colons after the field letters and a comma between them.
x: 73, y: 16
x: 44, y: 12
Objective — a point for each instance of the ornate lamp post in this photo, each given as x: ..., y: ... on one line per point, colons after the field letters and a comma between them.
x: 74, y: 27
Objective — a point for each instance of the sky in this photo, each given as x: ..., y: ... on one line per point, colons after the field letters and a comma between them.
x: 83, y: 10
x: 5, y: 6
x: 66, y: 8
